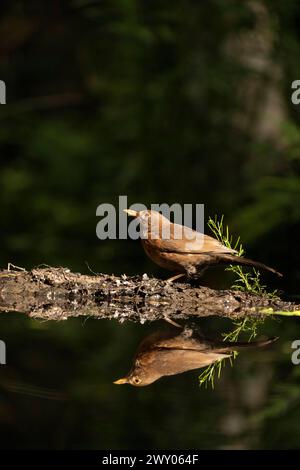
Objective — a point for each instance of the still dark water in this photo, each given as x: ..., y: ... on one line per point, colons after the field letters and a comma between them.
x: 57, y: 391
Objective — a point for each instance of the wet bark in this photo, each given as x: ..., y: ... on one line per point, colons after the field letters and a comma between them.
x: 57, y: 294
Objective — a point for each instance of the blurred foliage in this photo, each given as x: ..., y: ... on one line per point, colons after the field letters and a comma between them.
x: 163, y: 102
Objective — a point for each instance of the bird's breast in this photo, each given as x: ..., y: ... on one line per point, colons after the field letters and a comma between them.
x: 167, y: 260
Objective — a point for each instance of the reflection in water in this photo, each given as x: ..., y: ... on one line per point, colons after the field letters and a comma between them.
x: 31, y: 390
x: 169, y: 353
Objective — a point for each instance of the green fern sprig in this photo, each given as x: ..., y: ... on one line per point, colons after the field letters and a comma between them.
x: 246, y: 282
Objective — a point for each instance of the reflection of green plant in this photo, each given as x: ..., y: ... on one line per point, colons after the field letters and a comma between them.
x: 209, y: 373
x: 246, y: 325
x: 245, y: 281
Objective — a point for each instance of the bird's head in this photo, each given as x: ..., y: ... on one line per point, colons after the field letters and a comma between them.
x: 143, y: 216
x: 150, y: 222
x: 138, y: 377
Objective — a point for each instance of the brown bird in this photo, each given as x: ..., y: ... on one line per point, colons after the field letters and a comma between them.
x: 183, y: 250
x: 169, y: 353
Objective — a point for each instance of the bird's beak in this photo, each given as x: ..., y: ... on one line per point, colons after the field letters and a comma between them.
x: 122, y: 381
x: 131, y: 212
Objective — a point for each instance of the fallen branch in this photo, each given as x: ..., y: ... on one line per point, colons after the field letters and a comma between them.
x: 57, y: 294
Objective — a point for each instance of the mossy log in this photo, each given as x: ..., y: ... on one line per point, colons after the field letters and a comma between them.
x: 57, y: 294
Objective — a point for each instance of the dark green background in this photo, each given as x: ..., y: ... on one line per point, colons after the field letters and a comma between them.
x: 163, y: 101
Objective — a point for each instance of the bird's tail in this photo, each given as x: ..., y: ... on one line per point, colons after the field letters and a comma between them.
x: 232, y: 346
x: 233, y: 259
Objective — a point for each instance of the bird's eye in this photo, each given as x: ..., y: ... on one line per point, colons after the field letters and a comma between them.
x: 136, y: 380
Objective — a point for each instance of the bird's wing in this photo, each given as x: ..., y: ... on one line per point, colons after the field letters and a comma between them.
x: 176, y: 361
x: 181, y: 342
x: 187, y: 241
x: 169, y: 340
x: 158, y: 337
x: 207, y: 345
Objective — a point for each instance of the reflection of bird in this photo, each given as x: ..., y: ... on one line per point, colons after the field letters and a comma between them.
x: 170, y: 353
x: 183, y: 250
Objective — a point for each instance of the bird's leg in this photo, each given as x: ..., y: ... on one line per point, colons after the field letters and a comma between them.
x: 10, y: 265
x: 172, y: 322
x: 173, y: 278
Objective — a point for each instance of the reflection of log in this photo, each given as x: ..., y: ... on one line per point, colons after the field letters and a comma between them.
x: 56, y: 294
